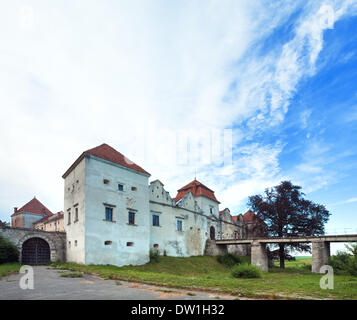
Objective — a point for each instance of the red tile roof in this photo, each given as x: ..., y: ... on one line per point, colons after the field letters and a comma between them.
x: 34, y: 206
x: 234, y: 218
x: 53, y: 217
x: 197, y: 189
x: 250, y: 216
x: 108, y: 153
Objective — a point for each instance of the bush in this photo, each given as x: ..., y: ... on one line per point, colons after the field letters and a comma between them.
x: 229, y: 260
x: 340, y: 261
x: 154, y: 255
x: 344, y: 262
x: 8, y: 251
x: 246, y: 271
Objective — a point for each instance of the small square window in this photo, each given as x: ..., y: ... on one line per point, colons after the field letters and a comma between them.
x: 120, y: 187
x: 105, y: 181
x: 134, y: 188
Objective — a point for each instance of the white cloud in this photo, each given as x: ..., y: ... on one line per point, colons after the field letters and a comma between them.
x: 77, y: 74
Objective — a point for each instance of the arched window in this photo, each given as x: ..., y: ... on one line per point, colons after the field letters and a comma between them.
x: 212, y: 233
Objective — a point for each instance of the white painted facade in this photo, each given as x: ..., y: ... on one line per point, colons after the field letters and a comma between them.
x: 92, y: 186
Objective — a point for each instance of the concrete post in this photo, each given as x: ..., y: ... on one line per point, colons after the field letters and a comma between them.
x: 259, y: 255
x: 320, y: 255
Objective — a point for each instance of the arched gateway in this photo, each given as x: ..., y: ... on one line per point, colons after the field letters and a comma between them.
x: 37, y: 246
x: 35, y: 251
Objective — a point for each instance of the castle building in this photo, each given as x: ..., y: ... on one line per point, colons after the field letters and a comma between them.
x: 30, y: 213
x: 112, y: 215
x: 51, y: 223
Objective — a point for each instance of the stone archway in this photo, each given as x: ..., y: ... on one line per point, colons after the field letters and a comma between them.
x: 42, y: 246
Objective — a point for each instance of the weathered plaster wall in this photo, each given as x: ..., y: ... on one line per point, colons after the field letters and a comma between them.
x: 74, y: 197
x: 119, y: 232
x: 165, y: 237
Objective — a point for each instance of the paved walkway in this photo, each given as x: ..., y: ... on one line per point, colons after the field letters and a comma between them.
x: 48, y: 284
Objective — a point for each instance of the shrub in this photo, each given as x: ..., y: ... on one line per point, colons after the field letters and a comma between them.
x: 344, y: 262
x: 8, y: 251
x: 246, y: 271
x: 340, y: 261
x: 229, y: 260
x: 154, y: 255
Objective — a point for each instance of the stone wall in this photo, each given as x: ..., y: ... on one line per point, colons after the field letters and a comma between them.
x: 55, y: 240
x: 212, y: 249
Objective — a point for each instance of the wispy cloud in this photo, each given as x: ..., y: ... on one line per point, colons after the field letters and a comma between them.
x: 351, y: 200
x: 75, y: 76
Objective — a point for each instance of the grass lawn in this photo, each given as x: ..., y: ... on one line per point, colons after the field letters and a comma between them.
x: 205, y: 273
x: 9, y: 268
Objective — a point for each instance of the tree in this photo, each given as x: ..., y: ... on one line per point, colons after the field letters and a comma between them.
x: 288, y: 214
x: 4, y: 224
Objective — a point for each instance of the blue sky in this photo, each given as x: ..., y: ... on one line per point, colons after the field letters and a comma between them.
x: 149, y: 77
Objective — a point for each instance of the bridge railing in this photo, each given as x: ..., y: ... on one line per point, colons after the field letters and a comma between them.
x: 339, y: 231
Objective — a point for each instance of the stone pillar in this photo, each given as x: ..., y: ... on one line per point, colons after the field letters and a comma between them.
x: 259, y: 255
x: 320, y: 255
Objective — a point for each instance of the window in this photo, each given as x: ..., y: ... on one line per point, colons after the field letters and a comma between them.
x: 131, y: 217
x: 211, y: 210
x: 108, y: 214
x: 105, y: 181
x: 156, y: 220
x: 69, y: 244
x: 120, y: 187
x: 107, y: 243
x: 129, y: 244
x: 76, y: 215
x: 69, y: 217
x: 133, y: 189
x: 179, y: 225
x: 156, y: 245
x: 75, y: 243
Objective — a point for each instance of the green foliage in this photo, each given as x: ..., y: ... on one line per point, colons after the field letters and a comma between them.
x: 246, y: 271
x: 8, y: 251
x: 229, y: 260
x: 340, y: 261
x: 345, y: 262
x: 154, y: 255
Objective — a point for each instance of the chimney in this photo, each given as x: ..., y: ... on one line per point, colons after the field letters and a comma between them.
x: 15, y: 209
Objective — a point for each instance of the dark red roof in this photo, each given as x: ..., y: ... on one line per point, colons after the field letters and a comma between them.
x: 53, y: 217
x: 250, y: 216
x: 34, y: 206
x: 197, y: 189
x: 234, y: 218
x: 108, y: 153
